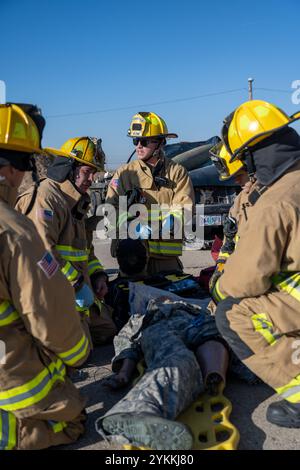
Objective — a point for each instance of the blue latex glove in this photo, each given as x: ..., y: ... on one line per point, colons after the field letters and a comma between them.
x: 84, y: 296
x: 143, y: 231
x: 168, y: 223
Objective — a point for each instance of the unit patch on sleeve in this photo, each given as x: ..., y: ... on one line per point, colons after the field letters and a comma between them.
x: 48, y: 264
x: 44, y: 214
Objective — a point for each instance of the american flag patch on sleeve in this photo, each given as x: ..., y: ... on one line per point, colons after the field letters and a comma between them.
x: 48, y: 264
x: 44, y: 214
x: 115, y: 183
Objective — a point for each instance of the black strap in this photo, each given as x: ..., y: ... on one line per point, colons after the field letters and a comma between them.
x: 33, y: 198
x: 130, y: 157
x: 249, y: 159
x: 256, y: 193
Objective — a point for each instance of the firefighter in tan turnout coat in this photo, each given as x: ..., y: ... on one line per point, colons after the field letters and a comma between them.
x: 40, y: 331
x: 153, y: 180
x: 58, y: 209
x: 258, y: 293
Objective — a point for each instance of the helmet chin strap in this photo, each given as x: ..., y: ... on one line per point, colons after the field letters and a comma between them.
x: 34, y: 172
x: 250, y: 165
x: 156, y: 153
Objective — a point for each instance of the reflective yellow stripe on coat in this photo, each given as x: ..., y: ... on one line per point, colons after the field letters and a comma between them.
x: 8, y: 430
x: 93, y: 266
x: 69, y: 271
x: 165, y: 248
x: 8, y: 313
x: 72, y: 254
x: 74, y: 354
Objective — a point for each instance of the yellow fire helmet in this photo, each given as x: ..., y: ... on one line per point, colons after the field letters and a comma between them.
x: 221, y: 159
x: 86, y: 150
x: 18, y: 132
x: 252, y: 122
x: 147, y: 124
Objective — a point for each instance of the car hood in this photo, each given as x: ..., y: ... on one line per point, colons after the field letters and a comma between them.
x: 208, y: 176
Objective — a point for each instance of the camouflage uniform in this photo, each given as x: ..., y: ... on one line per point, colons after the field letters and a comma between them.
x: 166, y: 336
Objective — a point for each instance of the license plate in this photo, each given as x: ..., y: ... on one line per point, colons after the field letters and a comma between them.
x: 210, y: 220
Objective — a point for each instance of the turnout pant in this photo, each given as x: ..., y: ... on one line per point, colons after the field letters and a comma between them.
x: 263, y: 333
x: 61, y: 423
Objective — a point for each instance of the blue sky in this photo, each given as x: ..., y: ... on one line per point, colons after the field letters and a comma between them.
x: 73, y: 57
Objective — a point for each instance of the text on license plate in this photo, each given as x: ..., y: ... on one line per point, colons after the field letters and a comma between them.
x: 210, y: 220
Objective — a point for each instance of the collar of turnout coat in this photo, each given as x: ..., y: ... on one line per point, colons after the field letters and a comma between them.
x: 72, y: 196
x: 276, y: 154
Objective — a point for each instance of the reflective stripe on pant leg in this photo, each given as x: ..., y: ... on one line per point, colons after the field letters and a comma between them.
x: 289, y: 283
x: 264, y: 327
x: 235, y: 342
x: 8, y: 430
x: 57, y: 426
x: 291, y: 391
x: 217, y: 295
x: 35, y: 390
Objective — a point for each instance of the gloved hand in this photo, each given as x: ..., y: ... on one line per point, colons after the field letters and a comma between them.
x: 99, y: 283
x: 143, y: 232
x: 168, y: 224
x: 84, y: 296
x: 230, y: 227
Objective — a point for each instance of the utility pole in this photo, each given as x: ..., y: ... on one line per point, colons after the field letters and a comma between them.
x: 250, y: 81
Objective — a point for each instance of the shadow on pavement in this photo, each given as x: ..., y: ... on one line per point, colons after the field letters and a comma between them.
x: 245, y: 400
x: 99, y: 398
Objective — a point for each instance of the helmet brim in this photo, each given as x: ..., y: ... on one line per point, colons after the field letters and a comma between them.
x: 164, y: 136
x: 234, y: 155
x: 20, y: 148
x: 61, y: 153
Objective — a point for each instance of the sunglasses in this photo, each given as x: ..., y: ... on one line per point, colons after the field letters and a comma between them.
x: 144, y: 142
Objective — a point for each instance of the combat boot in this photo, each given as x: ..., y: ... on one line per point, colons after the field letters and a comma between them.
x: 150, y: 431
x: 285, y: 414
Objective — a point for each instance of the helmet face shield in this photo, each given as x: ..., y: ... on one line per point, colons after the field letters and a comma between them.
x: 219, y: 162
x: 222, y: 161
x: 99, y: 155
x: 224, y: 132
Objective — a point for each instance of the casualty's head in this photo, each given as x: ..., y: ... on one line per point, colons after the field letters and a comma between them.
x: 21, y: 129
x: 149, y: 133
x: 78, y: 159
